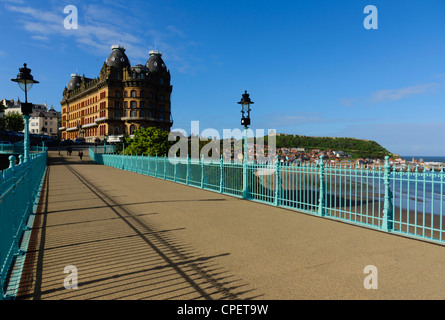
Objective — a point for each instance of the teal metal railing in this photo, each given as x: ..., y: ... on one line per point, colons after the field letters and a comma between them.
x: 19, y: 149
x: 409, y: 202
x: 19, y: 185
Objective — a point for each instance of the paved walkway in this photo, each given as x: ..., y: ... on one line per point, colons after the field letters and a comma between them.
x: 136, y: 237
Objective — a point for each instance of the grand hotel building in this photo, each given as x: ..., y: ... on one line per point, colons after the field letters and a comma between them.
x: 121, y: 100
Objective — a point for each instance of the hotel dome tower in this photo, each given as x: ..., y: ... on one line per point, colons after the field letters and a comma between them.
x: 122, y: 99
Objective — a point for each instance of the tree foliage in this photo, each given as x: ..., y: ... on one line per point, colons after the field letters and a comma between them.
x: 14, y: 121
x: 148, y: 141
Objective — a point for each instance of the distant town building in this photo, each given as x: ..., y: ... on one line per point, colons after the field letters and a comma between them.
x: 42, y: 121
x: 120, y: 101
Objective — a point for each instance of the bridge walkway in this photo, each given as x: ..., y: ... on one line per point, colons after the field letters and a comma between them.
x: 131, y: 236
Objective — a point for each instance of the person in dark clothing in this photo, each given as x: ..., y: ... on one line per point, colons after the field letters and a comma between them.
x: 80, y: 155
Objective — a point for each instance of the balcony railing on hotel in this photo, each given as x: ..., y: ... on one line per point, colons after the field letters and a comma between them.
x: 20, y: 185
x: 409, y: 203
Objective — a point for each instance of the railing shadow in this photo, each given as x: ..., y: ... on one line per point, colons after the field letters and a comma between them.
x: 140, y: 261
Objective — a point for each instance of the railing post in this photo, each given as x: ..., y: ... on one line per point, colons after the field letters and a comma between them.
x: 221, y: 174
x: 174, y: 169
x: 14, y: 210
x: 28, y: 189
x: 165, y: 166
x: 156, y: 166
x: 277, y: 182
x: 387, y: 220
x: 187, y: 173
x: 202, y: 171
x: 321, y: 199
x: 245, y: 179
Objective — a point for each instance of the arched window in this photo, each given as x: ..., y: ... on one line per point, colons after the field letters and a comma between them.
x: 133, y: 93
x: 116, y: 130
x: 133, y: 113
x: 133, y: 104
x: 132, y: 129
x: 142, y: 113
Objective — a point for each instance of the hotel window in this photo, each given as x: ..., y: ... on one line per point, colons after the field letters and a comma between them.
x: 133, y: 104
x: 117, y: 94
x: 150, y: 110
x: 116, y: 113
x: 116, y: 129
x: 161, y: 112
x: 133, y: 94
x: 133, y: 113
x: 132, y: 129
x: 161, y: 98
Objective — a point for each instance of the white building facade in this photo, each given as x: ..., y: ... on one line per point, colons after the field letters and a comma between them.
x: 42, y: 121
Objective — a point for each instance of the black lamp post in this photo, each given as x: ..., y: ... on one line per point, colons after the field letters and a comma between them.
x: 245, y: 108
x: 25, y: 81
x: 245, y: 121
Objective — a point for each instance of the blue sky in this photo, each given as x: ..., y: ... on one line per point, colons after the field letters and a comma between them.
x: 310, y: 66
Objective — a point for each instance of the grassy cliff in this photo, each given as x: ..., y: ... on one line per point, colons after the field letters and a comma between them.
x: 357, y: 148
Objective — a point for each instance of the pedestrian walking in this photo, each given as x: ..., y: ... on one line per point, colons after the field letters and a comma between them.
x: 80, y: 155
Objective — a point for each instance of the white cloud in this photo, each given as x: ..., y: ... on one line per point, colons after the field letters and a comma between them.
x: 398, y: 94
x: 347, y: 102
x: 99, y: 29
x: 14, y: 1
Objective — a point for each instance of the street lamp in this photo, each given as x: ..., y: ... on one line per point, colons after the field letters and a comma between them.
x: 245, y: 108
x: 25, y: 81
x: 245, y: 121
